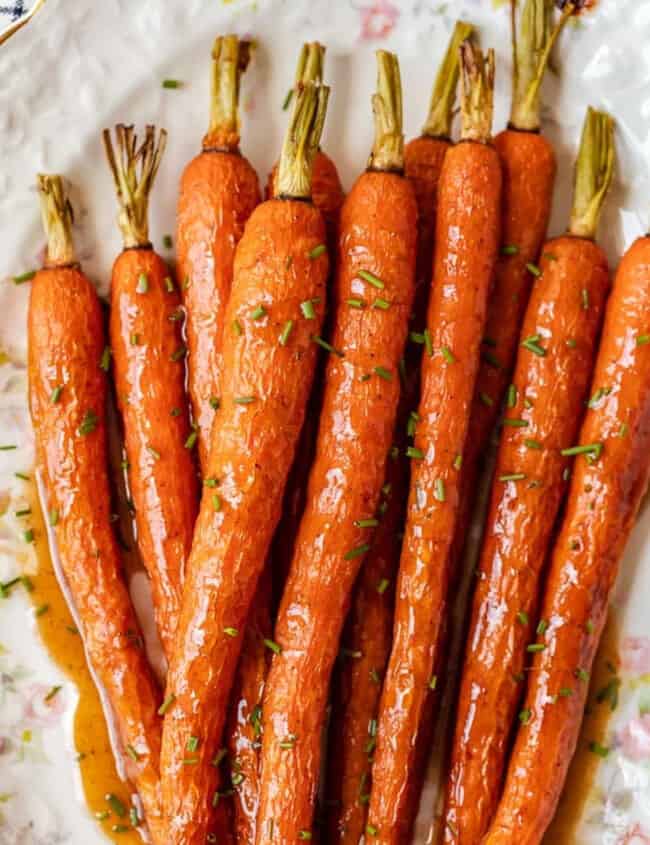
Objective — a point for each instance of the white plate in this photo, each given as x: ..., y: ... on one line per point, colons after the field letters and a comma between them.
x: 79, y: 66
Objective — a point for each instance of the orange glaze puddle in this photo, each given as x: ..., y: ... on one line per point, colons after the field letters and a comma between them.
x: 582, y: 772
x: 96, y: 762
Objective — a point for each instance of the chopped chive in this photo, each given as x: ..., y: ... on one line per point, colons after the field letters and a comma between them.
x: 244, y: 400
x: 374, y: 676
x: 190, y: 761
x: 355, y: 303
x: 416, y: 337
x: 41, y: 609
x: 89, y: 423
x: 533, y: 269
x: 289, y: 742
x: 582, y: 674
x: 532, y: 444
x: 172, y: 83
x: 155, y: 454
x: 115, y: 804
x: 134, y: 339
x: 258, y: 313
x: 357, y: 551
x: 371, y: 830
x: 549, y: 256
x: 133, y: 754
x: 307, y: 308
x: 382, y: 586
x: 56, y: 394
x: 219, y: 757
x: 237, y: 328
x: 214, y: 402
x: 514, y: 476
x: 178, y: 354
x: 317, y: 251
x: 24, y: 277
x: 304, y: 834
x: 167, y: 241
x: 52, y: 693
x: 571, y: 343
x: 439, y: 490
x: 190, y: 443
x: 592, y: 449
x: 589, y: 626
x: 525, y: 716
x: 542, y: 627
x: 143, y: 283
x: 448, y: 355
x: 133, y: 817
x: 535, y: 647
x: 488, y: 401
x: 192, y: 744
x: 287, y: 99
x: 413, y: 452
x: 509, y: 249
x: 382, y: 372
x: 286, y: 331
x: 433, y: 683
x: 522, y: 617
x: 23, y: 512
x: 584, y: 294
x: 327, y: 346
x: 642, y: 339
x: 598, y: 749
x: 231, y: 632
x: 276, y: 648
x: 598, y: 395
x: 375, y: 281
x: 167, y: 703
x: 527, y: 403
x: 105, y: 360
x: 366, y: 523
x: 53, y: 517
x: 175, y: 412
x: 565, y: 692
x: 9, y: 448
x: 609, y: 693
x: 216, y: 503
x: 428, y: 343
x: 458, y: 462
x: 211, y: 482
x: 169, y: 284
x: 532, y: 345
x: 380, y: 303
x: 22, y: 476
x: 515, y: 423
x: 102, y: 815
x: 623, y: 430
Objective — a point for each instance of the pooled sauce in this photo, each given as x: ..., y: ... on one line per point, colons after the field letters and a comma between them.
x: 601, y: 701
x: 57, y: 629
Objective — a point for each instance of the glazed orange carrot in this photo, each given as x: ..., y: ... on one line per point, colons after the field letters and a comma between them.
x: 373, y: 291
x: 148, y: 367
x: 274, y: 313
x: 609, y: 480
x: 368, y: 634
x: 219, y: 190
x: 67, y: 397
x: 529, y: 167
x: 545, y: 404
x: 466, y: 246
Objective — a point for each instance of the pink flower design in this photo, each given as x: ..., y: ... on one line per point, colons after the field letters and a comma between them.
x: 634, y: 836
x: 635, y: 655
x: 634, y: 738
x: 378, y: 20
x: 44, y: 706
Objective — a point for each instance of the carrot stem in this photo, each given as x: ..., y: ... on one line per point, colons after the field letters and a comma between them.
x: 133, y: 187
x: 230, y: 57
x: 438, y: 122
x: 593, y: 173
x: 388, y: 148
x: 301, y: 141
x: 531, y: 52
x: 58, y: 217
x: 476, y: 93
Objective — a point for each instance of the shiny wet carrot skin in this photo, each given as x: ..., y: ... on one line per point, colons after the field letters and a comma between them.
x: 529, y: 168
x: 466, y: 247
x: 265, y: 386
x: 357, y: 686
x: 603, y: 502
x: 377, y: 234
x: 546, y: 410
x: 66, y: 342
x: 245, y: 721
x: 149, y: 372
x: 218, y: 192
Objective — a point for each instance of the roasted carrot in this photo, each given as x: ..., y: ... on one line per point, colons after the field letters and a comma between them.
x: 67, y: 397
x: 219, y: 190
x: 545, y: 404
x: 368, y: 633
x: 274, y: 313
x: 149, y: 372
x: 529, y: 168
x: 373, y: 291
x: 466, y: 246
x: 609, y: 479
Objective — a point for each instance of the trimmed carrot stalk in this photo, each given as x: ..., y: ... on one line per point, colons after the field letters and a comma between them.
x: 466, y: 247
x: 67, y: 397
x: 545, y: 404
x: 267, y: 372
x: 609, y: 480
x: 218, y: 192
x: 529, y: 168
x: 373, y: 292
x: 368, y: 633
x: 149, y: 372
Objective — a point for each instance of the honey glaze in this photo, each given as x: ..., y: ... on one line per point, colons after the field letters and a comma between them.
x: 108, y: 796
x: 592, y: 745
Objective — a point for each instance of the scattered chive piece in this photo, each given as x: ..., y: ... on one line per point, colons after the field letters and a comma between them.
x: 231, y: 632
x: 178, y: 354
x: 211, y: 482
x: 525, y: 716
x: 41, y: 609
x: 642, y: 339
x: 515, y: 423
x: 433, y: 683
x: 304, y: 834
x: 458, y: 462
x: 382, y: 586
x: 366, y: 523
x: 623, y: 430
x: 532, y: 345
x: 133, y: 754
x: 565, y: 692
x: 244, y: 400
x: 56, y: 394
x: 53, y: 517
x: 143, y: 283
x: 192, y: 744
x: 167, y: 241
x: 589, y: 626
x: 592, y: 449
x: 327, y: 346
x: 380, y: 303
x: 155, y: 454
x: 105, y: 360
x: 448, y: 355
x: 52, y: 693
x: 258, y: 313
x: 22, y: 476
x: 371, y: 830
x: 428, y: 345
x: 514, y: 476
x: 549, y: 256
x: 102, y: 815
x: 532, y: 444
x: 23, y: 512
x: 216, y: 503
x: 382, y: 372
x: 598, y: 395
x: 133, y: 817
x: 190, y: 443
x: 8, y: 448
x: 287, y: 99
x: 412, y: 452
x: 115, y: 804
x: 486, y: 400
x: 582, y: 674
x: 357, y: 551
x: 214, y: 402
x: 509, y: 249
x: 175, y: 412
x: 276, y: 648
x: 219, y: 757
x: 355, y: 303
x: 439, y: 491
x: 571, y: 343
x: 416, y: 337
x: 585, y: 299
x: 527, y: 403
x: 535, y: 647
x: 167, y: 703
x: 522, y: 617
x: 533, y: 269
x: 317, y: 251
x: 598, y: 749
x: 307, y: 308
x: 134, y: 339
x: 24, y: 277
x: 89, y: 423
x: 609, y: 693
x: 236, y: 327
x: 286, y: 331
x: 172, y: 83
x: 120, y: 828
x: 542, y: 627
x: 374, y: 676
x: 375, y: 281
x: 169, y: 284
x: 289, y: 742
